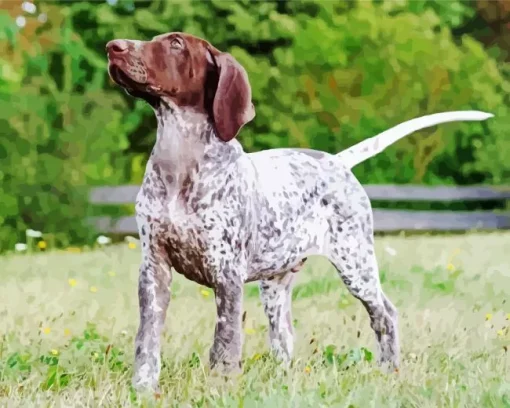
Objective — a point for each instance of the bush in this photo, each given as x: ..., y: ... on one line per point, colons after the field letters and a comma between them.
x: 60, y: 133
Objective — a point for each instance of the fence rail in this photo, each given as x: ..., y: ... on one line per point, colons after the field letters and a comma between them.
x: 384, y: 220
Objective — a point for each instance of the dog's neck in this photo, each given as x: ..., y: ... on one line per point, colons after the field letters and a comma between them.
x: 186, y: 143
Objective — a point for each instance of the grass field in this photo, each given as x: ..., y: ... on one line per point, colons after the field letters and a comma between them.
x: 68, y: 321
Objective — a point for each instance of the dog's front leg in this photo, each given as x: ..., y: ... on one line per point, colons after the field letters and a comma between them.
x: 225, y: 354
x: 153, y: 296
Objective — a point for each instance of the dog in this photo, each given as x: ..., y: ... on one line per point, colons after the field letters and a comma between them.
x: 222, y: 217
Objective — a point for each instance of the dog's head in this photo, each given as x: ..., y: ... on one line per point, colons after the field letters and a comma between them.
x: 188, y: 71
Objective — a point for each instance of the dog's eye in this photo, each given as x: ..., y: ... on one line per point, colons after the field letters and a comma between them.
x: 176, y: 43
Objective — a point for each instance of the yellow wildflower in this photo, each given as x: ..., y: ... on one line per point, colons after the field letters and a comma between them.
x: 93, y: 289
x: 54, y: 352
x: 488, y: 316
x: 46, y: 330
x: 42, y: 244
x: 132, y: 245
x: 112, y: 273
x: 249, y: 331
x: 72, y: 282
x: 67, y: 332
x: 500, y: 332
x: 257, y: 356
x: 308, y: 369
x: 204, y: 293
x: 450, y: 267
x: 508, y: 316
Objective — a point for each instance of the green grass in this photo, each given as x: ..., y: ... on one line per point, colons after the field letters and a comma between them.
x: 63, y: 345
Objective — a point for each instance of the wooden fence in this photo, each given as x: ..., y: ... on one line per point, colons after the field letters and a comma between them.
x: 385, y: 220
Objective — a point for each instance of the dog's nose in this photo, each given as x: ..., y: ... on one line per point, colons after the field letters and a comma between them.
x: 117, y: 47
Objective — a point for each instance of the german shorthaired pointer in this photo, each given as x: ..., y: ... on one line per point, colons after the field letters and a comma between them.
x: 222, y: 217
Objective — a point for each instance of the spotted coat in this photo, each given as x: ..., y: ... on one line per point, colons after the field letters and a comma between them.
x: 222, y: 217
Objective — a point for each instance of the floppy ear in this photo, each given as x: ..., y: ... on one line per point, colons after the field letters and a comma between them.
x: 232, y: 107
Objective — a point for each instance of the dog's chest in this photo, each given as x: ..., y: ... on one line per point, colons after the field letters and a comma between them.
x: 177, y: 238
x: 183, y: 227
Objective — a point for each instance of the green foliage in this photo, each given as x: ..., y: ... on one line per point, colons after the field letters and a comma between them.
x: 18, y: 363
x: 324, y: 75
x: 346, y: 360
x: 56, y: 369
x: 372, y: 70
x: 99, y: 349
x: 327, y: 75
x: 438, y: 279
x: 60, y: 134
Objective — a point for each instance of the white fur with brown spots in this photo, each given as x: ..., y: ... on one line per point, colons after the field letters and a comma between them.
x: 222, y: 217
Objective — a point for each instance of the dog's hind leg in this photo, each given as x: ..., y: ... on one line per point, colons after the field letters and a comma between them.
x: 351, y: 251
x: 276, y: 296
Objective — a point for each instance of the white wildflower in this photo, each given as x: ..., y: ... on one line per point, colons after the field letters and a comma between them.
x: 28, y: 7
x: 20, y: 247
x: 21, y: 21
x: 103, y: 240
x: 33, y: 234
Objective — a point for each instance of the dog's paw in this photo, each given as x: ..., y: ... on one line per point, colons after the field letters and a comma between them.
x: 145, y: 386
x: 388, y: 366
x: 226, y: 368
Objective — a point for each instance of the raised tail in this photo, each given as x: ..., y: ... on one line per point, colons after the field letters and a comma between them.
x: 370, y: 147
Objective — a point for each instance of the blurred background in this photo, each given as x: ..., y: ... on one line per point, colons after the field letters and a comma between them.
x: 324, y: 74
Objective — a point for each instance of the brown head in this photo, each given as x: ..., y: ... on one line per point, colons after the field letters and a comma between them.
x: 188, y: 71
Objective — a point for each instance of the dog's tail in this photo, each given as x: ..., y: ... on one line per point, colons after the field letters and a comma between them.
x: 370, y: 147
